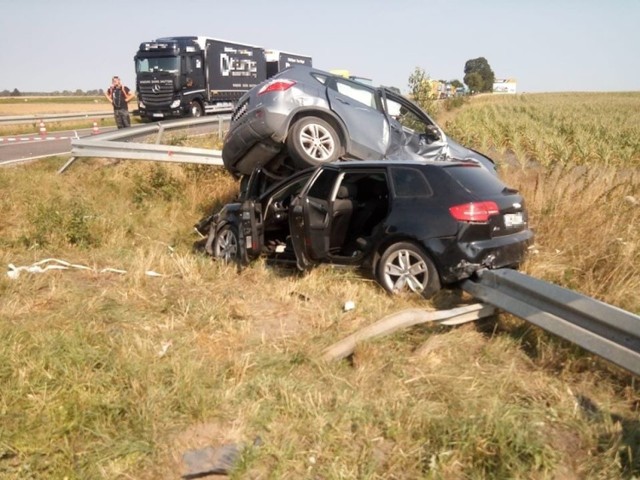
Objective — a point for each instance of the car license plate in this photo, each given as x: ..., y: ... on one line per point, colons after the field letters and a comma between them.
x: 158, y: 115
x: 513, y: 219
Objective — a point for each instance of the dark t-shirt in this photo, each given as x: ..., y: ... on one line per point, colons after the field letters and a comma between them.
x: 118, y: 97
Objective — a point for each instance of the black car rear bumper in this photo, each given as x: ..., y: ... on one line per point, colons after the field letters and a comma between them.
x: 499, y: 252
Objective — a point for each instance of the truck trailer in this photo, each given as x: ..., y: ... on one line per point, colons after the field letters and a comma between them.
x: 182, y: 76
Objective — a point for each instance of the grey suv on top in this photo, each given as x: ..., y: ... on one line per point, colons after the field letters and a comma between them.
x: 304, y: 117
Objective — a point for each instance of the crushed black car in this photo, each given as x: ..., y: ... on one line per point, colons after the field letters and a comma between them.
x: 304, y: 117
x: 413, y: 225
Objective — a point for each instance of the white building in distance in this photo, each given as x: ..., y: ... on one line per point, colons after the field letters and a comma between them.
x: 505, y: 85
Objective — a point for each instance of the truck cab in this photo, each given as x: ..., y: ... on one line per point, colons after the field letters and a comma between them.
x: 170, y: 78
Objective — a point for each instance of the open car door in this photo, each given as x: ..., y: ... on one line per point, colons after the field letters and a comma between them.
x: 310, y: 219
x: 251, y: 231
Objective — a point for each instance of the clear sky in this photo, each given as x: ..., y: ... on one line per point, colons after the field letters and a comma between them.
x: 546, y: 45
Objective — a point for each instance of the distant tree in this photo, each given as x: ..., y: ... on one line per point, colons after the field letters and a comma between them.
x: 15, y: 93
x: 421, y: 91
x: 456, y: 83
x: 478, y: 75
x: 474, y: 81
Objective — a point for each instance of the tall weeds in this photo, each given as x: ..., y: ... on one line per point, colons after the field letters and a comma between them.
x: 116, y: 375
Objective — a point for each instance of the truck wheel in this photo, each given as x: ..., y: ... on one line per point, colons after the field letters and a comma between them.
x: 404, y: 266
x: 195, y: 109
x: 312, y: 141
x: 225, y: 245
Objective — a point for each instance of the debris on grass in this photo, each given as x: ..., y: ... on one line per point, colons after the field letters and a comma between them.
x: 56, y: 264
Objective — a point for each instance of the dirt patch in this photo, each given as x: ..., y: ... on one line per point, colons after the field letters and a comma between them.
x: 270, y: 319
x: 202, y: 435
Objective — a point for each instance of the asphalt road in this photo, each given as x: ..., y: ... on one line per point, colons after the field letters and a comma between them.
x: 22, y: 148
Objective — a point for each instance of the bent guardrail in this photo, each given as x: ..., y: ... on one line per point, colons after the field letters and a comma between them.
x: 607, y: 331
x: 109, y: 144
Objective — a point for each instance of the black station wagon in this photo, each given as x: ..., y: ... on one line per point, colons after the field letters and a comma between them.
x: 413, y: 225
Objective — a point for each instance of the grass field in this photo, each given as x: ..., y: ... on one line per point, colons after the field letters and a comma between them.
x: 116, y: 375
x: 43, y: 106
x: 10, y: 106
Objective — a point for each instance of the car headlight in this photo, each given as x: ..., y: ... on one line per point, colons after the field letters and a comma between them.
x: 175, y: 104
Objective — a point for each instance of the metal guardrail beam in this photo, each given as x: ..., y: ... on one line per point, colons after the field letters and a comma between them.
x: 107, y: 145
x: 143, y: 151
x: 607, y: 331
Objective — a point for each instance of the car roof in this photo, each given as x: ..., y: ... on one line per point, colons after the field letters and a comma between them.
x: 302, y: 69
x: 305, y: 69
x: 394, y: 163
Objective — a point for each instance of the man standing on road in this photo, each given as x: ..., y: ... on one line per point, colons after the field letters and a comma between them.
x: 119, y: 95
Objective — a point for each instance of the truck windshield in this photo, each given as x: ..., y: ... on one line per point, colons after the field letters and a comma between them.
x: 157, y: 64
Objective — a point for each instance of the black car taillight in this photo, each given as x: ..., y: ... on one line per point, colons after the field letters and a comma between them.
x: 276, y: 86
x: 474, y: 211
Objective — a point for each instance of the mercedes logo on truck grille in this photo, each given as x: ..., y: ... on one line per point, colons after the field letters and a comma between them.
x: 156, y: 88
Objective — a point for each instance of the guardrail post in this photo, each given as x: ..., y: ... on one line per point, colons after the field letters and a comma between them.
x: 220, y: 127
x: 160, y: 133
x: 66, y: 165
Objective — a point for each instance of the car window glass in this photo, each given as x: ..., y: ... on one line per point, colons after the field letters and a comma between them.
x: 406, y: 116
x: 321, y: 78
x: 356, y: 93
x: 410, y: 182
x: 476, y: 179
x: 323, y: 184
x: 285, y: 194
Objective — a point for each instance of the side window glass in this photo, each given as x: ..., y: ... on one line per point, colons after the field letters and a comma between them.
x: 290, y: 190
x: 406, y: 117
x: 323, y: 184
x: 321, y: 78
x: 362, y: 95
x: 410, y: 182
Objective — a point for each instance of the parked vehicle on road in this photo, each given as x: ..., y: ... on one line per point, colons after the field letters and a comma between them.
x: 304, y: 117
x: 179, y: 76
x: 413, y: 225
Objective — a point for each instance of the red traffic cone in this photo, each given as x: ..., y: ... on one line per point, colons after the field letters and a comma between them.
x: 95, y: 130
x: 43, y: 129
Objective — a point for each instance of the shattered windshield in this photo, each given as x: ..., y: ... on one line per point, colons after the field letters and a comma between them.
x: 158, y: 64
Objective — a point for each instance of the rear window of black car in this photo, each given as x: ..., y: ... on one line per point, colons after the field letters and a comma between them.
x: 476, y: 179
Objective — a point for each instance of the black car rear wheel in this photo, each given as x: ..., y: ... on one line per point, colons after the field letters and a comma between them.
x: 405, y: 267
x: 225, y: 245
x: 312, y: 141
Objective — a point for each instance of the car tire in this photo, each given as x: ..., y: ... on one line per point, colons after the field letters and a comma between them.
x: 195, y: 109
x: 312, y: 141
x: 405, y: 267
x: 226, y: 245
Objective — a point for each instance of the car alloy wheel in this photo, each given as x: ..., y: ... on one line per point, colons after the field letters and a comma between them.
x: 313, y: 141
x: 225, y: 246
x: 405, y: 267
